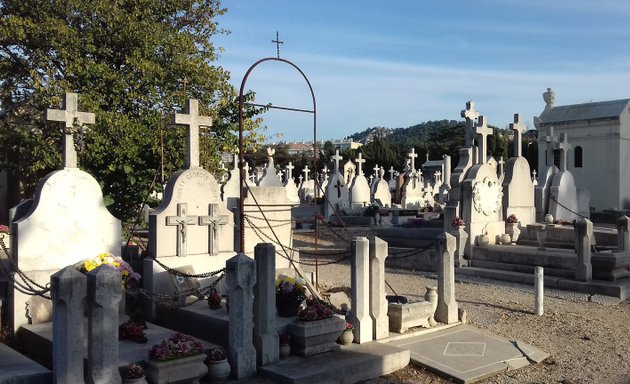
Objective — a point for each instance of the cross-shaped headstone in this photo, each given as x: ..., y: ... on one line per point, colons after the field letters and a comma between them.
x: 391, y: 172
x: 306, y: 172
x: 289, y: 169
x: 181, y: 221
x: 193, y: 121
x: 481, y: 129
x: 70, y: 116
x: 325, y: 170
x: 470, y: 114
x: 223, y: 172
x: 300, y: 180
x: 412, y: 156
x: 518, y: 127
x: 501, y: 163
x: 427, y: 156
x: 551, y: 141
x: 375, y: 169
x: 212, y: 220
x: 336, y: 158
x: 438, y: 176
x: 360, y: 162
x: 564, y: 146
x: 371, y: 179
x: 277, y: 42
x: 534, y: 175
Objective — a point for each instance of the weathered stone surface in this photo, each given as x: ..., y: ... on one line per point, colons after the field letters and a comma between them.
x: 265, y: 335
x: 359, y: 277
x: 446, y: 311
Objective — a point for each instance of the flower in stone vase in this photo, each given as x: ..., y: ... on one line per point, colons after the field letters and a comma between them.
x: 175, y: 347
x: 349, y: 326
x: 133, y: 371
x: 129, y: 277
x: 291, y: 291
x: 512, y: 219
x: 4, y: 229
x: 216, y: 354
x: 458, y: 222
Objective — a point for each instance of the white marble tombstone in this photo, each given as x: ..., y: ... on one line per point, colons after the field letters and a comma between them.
x: 269, y: 177
x: 337, y: 194
x: 381, y: 190
x: 359, y: 188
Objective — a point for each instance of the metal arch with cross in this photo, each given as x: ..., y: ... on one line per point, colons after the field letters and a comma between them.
x: 518, y: 127
x: 212, y: 220
x: 278, y: 43
x: 193, y: 121
x: 482, y: 131
x: 470, y: 114
x: 71, y: 117
x: 181, y: 221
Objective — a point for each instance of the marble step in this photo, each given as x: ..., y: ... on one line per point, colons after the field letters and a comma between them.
x: 16, y: 368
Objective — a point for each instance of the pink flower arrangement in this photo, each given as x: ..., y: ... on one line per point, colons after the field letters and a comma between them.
x: 349, y: 326
x: 458, y: 222
x: 4, y: 229
x: 177, y: 346
x: 512, y: 219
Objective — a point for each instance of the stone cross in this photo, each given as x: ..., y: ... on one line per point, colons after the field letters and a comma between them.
x: 438, y: 175
x: 193, y: 121
x: 212, y: 220
x: 534, y: 175
x: 391, y: 172
x: 427, y: 157
x: 550, y: 139
x: 336, y: 158
x: 481, y: 129
x: 290, y: 168
x: 470, y: 114
x: 381, y: 173
x: 300, y: 180
x: 371, y: 179
x: 306, y: 172
x: 518, y: 127
x: 412, y: 157
x: 70, y: 116
x: 181, y: 221
x: 501, y: 164
x: 564, y: 146
x: 375, y: 169
x: 360, y: 162
x: 223, y: 171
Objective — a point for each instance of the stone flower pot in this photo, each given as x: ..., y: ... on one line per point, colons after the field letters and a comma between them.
x: 309, y: 338
x: 218, y: 371
x: 513, y: 230
x: 346, y: 337
x: 187, y: 369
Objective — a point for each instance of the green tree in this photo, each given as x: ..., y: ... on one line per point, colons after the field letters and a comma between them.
x: 134, y: 64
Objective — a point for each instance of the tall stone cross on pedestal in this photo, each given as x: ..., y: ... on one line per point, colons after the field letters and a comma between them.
x: 181, y: 221
x: 470, y: 114
x: 518, y: 127
x: 375, y: 169
x: 391, y: 172
x: 193, y: 121
x: 211, y: 221
x: 336, y: 158
x: 564, y: 147
x: 290, y: 167
x: 360, y: 162
x: 551, y: 141
x: 482, y: 131
x: 501, y: 166
x: 412, y: 157
x: 306, y: 172
x: 72, y: 118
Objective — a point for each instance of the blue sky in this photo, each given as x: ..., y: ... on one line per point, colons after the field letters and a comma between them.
x: 402, y: 62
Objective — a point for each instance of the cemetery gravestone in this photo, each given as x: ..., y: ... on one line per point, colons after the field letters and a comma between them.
x: 359, y: 189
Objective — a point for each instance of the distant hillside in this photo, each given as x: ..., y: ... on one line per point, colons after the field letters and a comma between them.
x: 367, y: 135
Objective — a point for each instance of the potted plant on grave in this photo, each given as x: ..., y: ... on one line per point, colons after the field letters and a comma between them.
x: 315, y: 330
x: 218, y: 366
x: 214, y: 299
x: 178, y: 358
x: 458, y: 222
x: 290, y: 293
x: 130, y: 330
x: 4, y: 236
x: 129, y: 277
x: 511, y: 228
x: 133, y: 373
x: 347, y: 336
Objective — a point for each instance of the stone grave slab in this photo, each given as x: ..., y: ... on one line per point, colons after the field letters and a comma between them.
x: 17, y: 368
x: 467, y: 355
x: 353, y: 363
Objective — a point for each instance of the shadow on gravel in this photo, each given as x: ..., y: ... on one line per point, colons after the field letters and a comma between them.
x: 495, y: 306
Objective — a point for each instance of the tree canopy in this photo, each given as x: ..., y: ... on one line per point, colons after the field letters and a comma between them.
x: 134, y: 64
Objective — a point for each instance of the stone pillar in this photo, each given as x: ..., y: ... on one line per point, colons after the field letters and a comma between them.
x: 360, y: 294
x: 623, y: 234
x: 104, y: 292
x: 584, y: 232
x: 460, y: 244
x: 378, y: 303
x: 446, y: 311
x: 265, y: 334
x: 240, y: 276
x: 68, y: 288
x: 539, y: 290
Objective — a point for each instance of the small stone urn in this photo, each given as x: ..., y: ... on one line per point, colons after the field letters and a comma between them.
x: 431, y: 296
x: 346, y: 337
x: 483, y: 240
x: 505, y: 239
x: 513, y: 230
x: 549, y: 218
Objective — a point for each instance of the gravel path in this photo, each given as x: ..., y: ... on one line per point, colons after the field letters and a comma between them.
x: 588, y: 337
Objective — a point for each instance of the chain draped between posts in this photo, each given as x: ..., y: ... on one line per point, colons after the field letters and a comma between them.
x: 28, y: 286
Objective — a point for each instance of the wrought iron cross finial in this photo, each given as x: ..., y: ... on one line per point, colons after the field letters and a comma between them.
x: 277, y: 42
